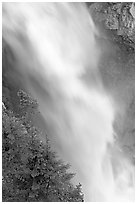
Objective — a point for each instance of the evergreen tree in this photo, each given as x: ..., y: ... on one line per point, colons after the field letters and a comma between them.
x: 31, y: 170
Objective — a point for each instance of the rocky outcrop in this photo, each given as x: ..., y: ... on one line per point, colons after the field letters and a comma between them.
x: 117, y: 17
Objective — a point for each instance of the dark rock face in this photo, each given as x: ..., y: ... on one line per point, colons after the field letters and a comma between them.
x: 117, y: 21
x: 117, y: 17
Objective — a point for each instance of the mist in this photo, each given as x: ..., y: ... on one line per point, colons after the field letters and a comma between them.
x: 56, y: 47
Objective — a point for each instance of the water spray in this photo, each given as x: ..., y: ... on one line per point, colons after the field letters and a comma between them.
x: 55, y: 45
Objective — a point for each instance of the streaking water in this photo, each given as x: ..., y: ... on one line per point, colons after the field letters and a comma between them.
x: 55, y: 45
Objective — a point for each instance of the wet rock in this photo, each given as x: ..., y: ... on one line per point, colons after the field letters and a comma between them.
x: 132, y: 10
x: 117, y: 17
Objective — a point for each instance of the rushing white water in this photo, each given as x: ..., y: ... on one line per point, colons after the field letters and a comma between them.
x: 55, y: 45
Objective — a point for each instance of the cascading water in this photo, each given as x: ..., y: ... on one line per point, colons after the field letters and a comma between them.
x: 55, y: 45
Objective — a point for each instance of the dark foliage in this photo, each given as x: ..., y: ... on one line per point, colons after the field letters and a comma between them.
x: 31, y: 170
